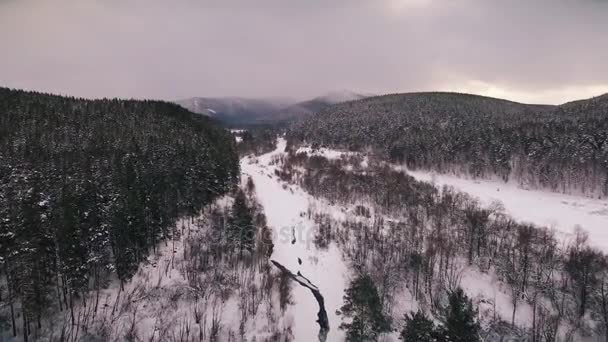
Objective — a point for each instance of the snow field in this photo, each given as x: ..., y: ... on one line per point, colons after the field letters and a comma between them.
x: 565, y: 213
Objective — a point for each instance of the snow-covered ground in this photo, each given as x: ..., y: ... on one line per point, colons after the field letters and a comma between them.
x: 175, y: 296
x: 553, y: 210
x: 284, y: 206
x: 237, y: 134
x: 325, y: 152
x: 564, y: 213
x: 157, y: 304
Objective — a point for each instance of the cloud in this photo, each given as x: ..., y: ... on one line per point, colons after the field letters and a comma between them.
x: 182, y: 48
x: 555, y: 95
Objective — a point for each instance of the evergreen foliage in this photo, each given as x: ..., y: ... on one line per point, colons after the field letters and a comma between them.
x: 562, y: 148
x: 461, y: 324
x: 88, y: 187
x: 241, y: 226
x: 418, y: 328
x: 364, y: 307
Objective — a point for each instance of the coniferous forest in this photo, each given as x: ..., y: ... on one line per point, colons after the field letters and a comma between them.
x: 89, y: 187
x: 561, y: 148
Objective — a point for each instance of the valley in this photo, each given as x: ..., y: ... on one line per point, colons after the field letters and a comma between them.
x: 285, y: 235
x: 303, y: 171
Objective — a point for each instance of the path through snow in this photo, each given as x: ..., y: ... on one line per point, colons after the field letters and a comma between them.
x: 284, y: 206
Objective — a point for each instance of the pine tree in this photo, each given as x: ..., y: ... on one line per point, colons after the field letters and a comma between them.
x: 363, y: 305
x: 461, y: 324
x: 418, y: 328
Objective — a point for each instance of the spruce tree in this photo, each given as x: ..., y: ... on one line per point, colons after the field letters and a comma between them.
x: 418, y: 328
x: 363, y: 305
x: 461, y: 324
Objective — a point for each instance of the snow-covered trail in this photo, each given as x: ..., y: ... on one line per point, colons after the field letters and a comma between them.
x: 284, y: 206
x: 554, y: 210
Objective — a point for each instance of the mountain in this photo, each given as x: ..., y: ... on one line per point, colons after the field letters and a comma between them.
x: 237, y: 111
x: 234, y: 110
x: 377, y: 120
x: 318, y: 103
x: 561, y: 148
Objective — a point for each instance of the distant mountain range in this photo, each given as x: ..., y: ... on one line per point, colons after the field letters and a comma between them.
x: 238, y: 111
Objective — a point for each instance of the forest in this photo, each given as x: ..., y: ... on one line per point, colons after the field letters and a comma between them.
x: 405, y: 236
x: 131, y: 220
x: 561, y: 148
x: 88, y: 188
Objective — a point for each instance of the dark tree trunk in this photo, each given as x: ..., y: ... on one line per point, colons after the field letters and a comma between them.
x: 10, y: 300
x: 25, y: 329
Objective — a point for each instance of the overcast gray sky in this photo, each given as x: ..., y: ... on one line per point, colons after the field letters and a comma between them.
x: 546, y: 51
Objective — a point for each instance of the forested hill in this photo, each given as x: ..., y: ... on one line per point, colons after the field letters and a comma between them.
x: 562, y: 148
x: 593, y: 107
x: 89, y: 187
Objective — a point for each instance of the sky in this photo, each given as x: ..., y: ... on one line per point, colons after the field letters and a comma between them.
x: 535, y: 51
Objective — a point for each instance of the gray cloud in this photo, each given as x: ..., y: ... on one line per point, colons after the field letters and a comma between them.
x: 540, y: 51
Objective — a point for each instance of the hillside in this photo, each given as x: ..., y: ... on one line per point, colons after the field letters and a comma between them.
x: 321, y: 102
x: 88, y: 188
x: 593, y: 107
x: 555, y: 147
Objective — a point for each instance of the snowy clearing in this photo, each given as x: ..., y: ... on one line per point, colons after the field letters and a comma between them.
x: 554, y: 210
x: 325, y: 152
